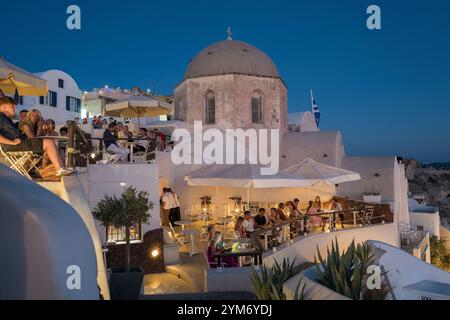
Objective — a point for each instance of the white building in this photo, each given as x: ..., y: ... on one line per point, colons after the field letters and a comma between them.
x: 231, y: 85
x: 63, y: 101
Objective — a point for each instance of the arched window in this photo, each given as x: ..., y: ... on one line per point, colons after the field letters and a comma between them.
x: 210, y: 110
x: 257, y: 109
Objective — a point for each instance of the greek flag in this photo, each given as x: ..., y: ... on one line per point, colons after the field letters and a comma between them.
x: 315, y: 109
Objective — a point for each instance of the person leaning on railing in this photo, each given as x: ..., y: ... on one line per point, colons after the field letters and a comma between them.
x: 337, y: 207
x: 315, y: 221
x: 12, y: 139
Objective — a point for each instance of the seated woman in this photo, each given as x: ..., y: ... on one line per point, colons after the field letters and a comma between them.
x: 216, y: 246
x: 293, y: 211
x: 33, y: 125
x: 297, y: 225
x: 239, y: 230
x: 48, y: 129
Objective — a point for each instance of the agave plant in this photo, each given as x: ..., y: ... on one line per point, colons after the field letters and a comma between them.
x: 346, y: 273
x: 268, y: 285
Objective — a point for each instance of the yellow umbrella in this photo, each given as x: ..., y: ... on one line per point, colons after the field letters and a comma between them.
x: 13, y: 78
x: 138, y: 107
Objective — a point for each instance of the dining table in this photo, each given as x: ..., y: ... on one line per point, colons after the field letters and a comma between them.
x: 256, y: 254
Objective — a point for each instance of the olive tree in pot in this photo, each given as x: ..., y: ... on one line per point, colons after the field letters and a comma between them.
x: 130, y: 209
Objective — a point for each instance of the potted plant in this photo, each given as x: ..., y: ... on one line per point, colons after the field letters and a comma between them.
x: 372, y: 195
x: 131, y: 209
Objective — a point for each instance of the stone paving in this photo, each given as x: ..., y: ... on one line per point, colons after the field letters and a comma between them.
x: 164, y: 283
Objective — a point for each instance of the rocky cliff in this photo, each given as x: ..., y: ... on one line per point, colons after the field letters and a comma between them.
x: 433, y: 183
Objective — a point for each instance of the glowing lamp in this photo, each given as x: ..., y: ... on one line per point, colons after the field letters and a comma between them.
x: 155, y: 253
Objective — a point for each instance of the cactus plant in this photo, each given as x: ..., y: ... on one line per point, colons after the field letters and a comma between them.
x: 268, y: 285
x: 345, y: 273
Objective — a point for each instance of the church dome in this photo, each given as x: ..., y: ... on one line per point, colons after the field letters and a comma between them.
x: 231, y: 56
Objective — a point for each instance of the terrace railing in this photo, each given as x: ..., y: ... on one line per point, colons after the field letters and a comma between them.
x: 82, y: 149
x: 365, y: 215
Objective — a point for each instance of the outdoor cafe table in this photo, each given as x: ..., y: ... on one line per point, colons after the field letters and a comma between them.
x: 266, y: 235
x: 131, y: 143
x: 182, y: 223
x: 256, y: 254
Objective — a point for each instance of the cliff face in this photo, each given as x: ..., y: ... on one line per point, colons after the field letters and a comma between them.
x: 435, y: 184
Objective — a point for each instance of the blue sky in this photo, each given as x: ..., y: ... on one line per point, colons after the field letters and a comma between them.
x: 387, y: 90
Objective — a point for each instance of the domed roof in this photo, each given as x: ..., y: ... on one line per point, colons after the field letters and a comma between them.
x: 231, y: 56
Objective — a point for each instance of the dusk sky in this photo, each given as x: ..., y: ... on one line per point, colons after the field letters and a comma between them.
x: 387, y: 90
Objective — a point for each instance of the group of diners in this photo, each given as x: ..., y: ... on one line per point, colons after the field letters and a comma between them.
x: 117, y: 138
x: 314, y: 215
x: 24, y: 135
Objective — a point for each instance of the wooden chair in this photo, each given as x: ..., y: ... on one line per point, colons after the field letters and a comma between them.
x: 367, y: 214
x: 179, y: 237
x: 22, y: 161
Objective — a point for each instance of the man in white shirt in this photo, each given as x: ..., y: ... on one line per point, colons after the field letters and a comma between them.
x: 169, y: 204
x: 249, y: 224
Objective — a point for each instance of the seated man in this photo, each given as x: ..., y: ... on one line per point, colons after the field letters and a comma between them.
x: 249, y: 225
x: 260, y: 218
x: 22, y: 117
x: 110, y: 141
x: 12, y: 139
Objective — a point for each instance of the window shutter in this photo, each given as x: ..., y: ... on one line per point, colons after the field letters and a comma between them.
x: 67, y: 103
x: 78, y: 105
x: 54, y: 99
x: 41, y: 100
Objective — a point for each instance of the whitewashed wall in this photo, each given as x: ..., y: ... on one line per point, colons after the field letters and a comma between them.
x: 59, y: 113
x: 107, y: 179
x: 305, y: 249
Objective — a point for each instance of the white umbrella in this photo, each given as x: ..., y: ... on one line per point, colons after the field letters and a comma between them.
x: 13, y: 78
x: 317, y: 172
x: 138, y: 107
x: 242, y: 176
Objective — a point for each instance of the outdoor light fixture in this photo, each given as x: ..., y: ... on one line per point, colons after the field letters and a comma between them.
x: 123, y: 184
x: 155, y: 253
x: 93, y: 155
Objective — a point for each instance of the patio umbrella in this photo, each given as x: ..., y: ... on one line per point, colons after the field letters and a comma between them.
x: 138, y: 107
x: 316, y: 172
x: 302, y: 175
x: 242, y: 176
x: 13, y: 78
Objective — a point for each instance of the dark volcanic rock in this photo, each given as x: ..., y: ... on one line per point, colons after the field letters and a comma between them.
x: 435, y: 184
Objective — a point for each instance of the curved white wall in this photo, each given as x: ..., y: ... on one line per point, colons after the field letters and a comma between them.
x: 304, y: 249
x: 59, y: 113
x: 42, y: 239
